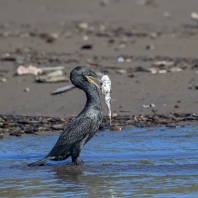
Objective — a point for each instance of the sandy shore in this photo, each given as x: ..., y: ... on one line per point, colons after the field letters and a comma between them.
x: 124, y: 39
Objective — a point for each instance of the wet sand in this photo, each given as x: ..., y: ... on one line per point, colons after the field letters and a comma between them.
x: 51, y: 33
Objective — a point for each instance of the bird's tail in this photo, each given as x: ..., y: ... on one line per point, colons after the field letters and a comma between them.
x: 40, y: 162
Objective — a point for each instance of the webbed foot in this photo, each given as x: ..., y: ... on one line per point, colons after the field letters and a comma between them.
x: 77, y: 161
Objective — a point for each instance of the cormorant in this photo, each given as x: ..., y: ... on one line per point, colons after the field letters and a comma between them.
x: 84, y: 126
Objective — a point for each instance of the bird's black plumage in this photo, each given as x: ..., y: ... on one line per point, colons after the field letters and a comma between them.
x: 85, y: 125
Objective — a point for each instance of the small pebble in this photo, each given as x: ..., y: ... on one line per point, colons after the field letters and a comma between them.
x: 162, y: 71
x: 153, y: 35
x: 166, y: 14
x: 196, y: 86
x: 3, y: 80
x: 114, y: 115
x: 27, y: 89
x: 57, y: 127
x: 152, y: 105
x: 120, y: 59
x: 104, y: 2
x: 177, y: 106
x: 85, y: 38
x: 116, y: 128
x: 121, y: 71
x: 146, y: 106
x: 150, y: 47
x: 83, y: 26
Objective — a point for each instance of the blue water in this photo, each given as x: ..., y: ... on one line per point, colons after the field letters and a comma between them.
x: 158, y: 162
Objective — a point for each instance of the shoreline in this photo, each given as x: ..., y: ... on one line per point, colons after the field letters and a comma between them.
x: 16, y: 126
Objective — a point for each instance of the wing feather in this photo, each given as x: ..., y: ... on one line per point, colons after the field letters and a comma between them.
x: 75, y: 132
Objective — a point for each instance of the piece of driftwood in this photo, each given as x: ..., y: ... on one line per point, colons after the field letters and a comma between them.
x: 55, y: 76
x: 52, y: 68
x: 52, y: 79
x: 63, y: 89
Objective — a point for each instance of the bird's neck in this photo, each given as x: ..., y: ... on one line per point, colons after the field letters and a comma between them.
x: 93, y: 98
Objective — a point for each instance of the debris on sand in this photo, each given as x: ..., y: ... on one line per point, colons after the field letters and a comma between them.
x: 63, y: 89
x: 20, y: 125
x: 163, y: 63
x: 194, y: 17
x: 27, y: 89
x: 3, y: 80
x: 21, y: 70
x: 56, y: 76
x: 87, y: 47
x: 120, y: 59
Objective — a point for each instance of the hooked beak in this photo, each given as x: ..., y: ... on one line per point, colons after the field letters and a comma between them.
x: 89, y: 78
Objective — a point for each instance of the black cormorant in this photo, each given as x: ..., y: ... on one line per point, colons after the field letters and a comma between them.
x: 84, y: 126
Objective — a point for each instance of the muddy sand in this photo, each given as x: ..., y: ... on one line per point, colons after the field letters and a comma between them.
x: 147, y: 47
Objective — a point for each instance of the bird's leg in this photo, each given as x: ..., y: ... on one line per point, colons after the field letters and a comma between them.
x: 77, y: 161
x: 75, y: 151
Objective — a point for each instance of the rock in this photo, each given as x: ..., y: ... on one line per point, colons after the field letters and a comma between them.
x: 152, y: 105
x: 163, y: 63
x: 20, y: 60
x: 114, y: 115
x: 175, y: 69
x: 194, y: 16
x: 121, y: 71
x: 83, y: 26
x: 146, y: 106
x: 166, y: 14
x: 104, y: 2
x: 27, y: 89
x: 49, y: 38
x: 58, y: 127
x: 116, y: 128
x: 162, y: 71
x: 120, y: 59
x: 41, y: 128
x: 177, y: 106
x: 85, y: 38
x: 131, y: 75
x: 153, y: 35
x: 196, y: 86
x: 3, y: 80
x: 87, y: 47
x: 150, y: 47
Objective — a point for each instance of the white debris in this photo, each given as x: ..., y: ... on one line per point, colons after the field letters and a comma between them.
x: 21, y: 70
x: 163, y: 63
x: 121, y: 71
x: 3, y: 80
x: 29, y: 70
x: 27, y: 89
x: 120, y: 59
x: 194, y: 16
x: 106, y: 91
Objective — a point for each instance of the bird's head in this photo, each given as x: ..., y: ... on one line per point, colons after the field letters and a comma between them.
x: 82, y: 77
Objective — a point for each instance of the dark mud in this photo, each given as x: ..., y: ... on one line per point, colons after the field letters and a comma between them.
x: 20, y: 125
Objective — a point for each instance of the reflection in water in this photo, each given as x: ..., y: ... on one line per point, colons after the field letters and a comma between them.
x: 133, y: 163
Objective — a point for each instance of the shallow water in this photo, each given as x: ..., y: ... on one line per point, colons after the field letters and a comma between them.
x: 162, y: 162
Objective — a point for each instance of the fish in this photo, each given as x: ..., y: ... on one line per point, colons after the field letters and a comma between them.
x: 106, y: 90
